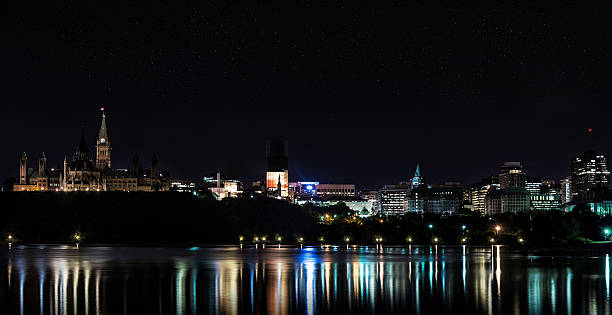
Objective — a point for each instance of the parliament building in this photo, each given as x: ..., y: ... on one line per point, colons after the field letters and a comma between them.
x: 82, y: 174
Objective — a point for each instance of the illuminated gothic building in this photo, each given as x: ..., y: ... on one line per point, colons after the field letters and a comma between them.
x: 82, y: 174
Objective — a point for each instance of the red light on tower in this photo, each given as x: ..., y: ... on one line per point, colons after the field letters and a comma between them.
x: 102, y: 108
x: 590, y: 129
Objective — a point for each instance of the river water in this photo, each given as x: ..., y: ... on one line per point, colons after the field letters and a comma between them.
x: 312, y: 280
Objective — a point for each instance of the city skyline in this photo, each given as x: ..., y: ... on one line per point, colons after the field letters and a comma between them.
x: 288, y: 161
x: 362, y: 96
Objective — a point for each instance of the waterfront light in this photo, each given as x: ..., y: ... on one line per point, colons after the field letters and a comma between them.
x: 347, y: 239
x: 10, y: 237
x: 521, y: 240
x: 463, y: 227
x: 463, y: 240
x: 279, y: 238
x: 492, y: 240
x: 435, y: 239
x: 301, y: 239
x: 409, y: 239
x: 256, y: 239
x: 497, y: 229
x: 607, y: 231
x: 430, y: 226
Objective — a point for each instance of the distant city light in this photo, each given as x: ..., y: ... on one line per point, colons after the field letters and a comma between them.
x: 309, y: 187
x: 607, y: 231
x: 430, y: 226
x: 463, y: 227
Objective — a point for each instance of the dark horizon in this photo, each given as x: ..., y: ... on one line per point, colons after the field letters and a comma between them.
x: 361, y: 95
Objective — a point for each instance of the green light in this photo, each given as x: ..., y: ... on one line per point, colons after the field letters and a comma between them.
x: 607, y: 231
x: 430, y: 226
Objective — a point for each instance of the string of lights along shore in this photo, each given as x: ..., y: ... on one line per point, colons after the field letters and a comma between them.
x: 510, y: 189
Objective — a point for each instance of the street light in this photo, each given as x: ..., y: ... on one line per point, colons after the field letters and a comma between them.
x: 521, y: 240
x: 409, y: 239
x: 435, y: 239
x: 463, y: 240
x: 463, y: 227
x: 492, y: 240
x: 497, y: 229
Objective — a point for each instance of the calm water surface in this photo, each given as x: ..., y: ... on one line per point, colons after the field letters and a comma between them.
x: 416, y: 279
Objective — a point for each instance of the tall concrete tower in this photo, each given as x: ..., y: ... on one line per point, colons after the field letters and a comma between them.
x: 23, y: 169
x: 103, y: 147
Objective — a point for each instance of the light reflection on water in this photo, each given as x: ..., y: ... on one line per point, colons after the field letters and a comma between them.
x: 312, y: 280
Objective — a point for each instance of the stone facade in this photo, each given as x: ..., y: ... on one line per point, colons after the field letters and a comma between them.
x: 82, y: 174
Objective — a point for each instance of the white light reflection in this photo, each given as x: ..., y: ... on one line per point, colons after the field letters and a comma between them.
x: 310, y: 288
x: 608, y: 276
x: 498, y: 271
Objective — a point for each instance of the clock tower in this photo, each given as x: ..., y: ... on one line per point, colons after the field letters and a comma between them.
x: 103, y: 148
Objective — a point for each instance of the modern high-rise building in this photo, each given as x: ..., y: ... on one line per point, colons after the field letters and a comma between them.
x: 277, y: 168
x: 445, y: 198
x: 547, y: 198
x: 566, y: 190
x: 391, y: 198
x: 493, y: 201
x: 512, y: 175
x: 589, y: 171
x: 533, y: 184
x: 479, y: 192
x: 515, y: 199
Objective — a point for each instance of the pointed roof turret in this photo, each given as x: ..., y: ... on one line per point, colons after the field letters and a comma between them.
x: 417, y: 173
x: 103, y: 132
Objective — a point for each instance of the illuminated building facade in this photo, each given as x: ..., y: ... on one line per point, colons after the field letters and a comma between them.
x: 479, y: 193
x: 82, y: 174
x: 391, y: 199
x: 182, y: 185
x: 370, y: 196
x: 566, y: 190
x: 222, y: 188
x: 331, y: 190
x: 588, y: 172
x: 512, y: 175
x: 416, y: 179
x: 493, y: 201
x: 277, y: 168
x: 515, y: 199
x: 307, y: 189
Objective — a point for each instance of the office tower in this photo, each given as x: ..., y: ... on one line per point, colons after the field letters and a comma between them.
x: 277, y: 168
x: 566, y: 190
x: 589, y: 171
x: 512, y: 175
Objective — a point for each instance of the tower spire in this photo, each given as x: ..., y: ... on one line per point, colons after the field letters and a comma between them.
x: 103, y: 132
x: 103, y: 149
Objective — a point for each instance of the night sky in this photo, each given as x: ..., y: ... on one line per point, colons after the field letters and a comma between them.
x: 362, y: 95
